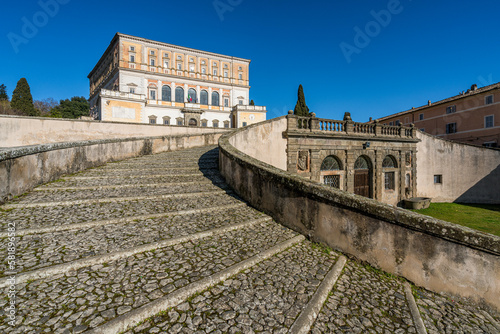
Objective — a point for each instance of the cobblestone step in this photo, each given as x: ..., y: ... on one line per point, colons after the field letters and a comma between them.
x: 41, y: 250
x: 146, y: 249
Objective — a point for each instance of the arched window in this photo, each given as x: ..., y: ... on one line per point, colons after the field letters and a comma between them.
x: 179, y: 94
x: 361, y: 163
x: 215, y: 99
x: 204, y: 97
x: 192, y: 95
x: 330, y: 163
x: 193, y: 122
x: 389, y: 162
x: 166, y: 93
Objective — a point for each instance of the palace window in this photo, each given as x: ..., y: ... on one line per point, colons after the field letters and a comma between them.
x: 152, y: 52
x: 215, y: 123
x: 152, y: 94
x: 332, y: 181
x: 132, y: 58
x: 179, y: 57
x: 166, y: 120
x: 488, y: 99
x: 165, y: 64
x: 152, y: 62
x: 203, y: 70
x: 226, y: 124
x: 132, y: 48
x: 226, y: 102
x: 204, y: 123
x: 239, y: 68
x: 203, y: 62
x: 389, y: 162
x: 192, y: 95
x: 421, y: 117
x: 204, y: 97
x: 451, y: 127
x: 451, y: 109
x: 225, y: 74
x: 166, y: 93
x: 398, y: 122
x: 191, y: 68
x: 215, y: 99
x: 244, y: 123
x: 179, y: 121
x: 489, y: 121
x: 152, y: 119
x: 179, y: 66
x: 215, y: 71
x: 179, y: 94
x: 132, y: 90
x: 240, y: 76
x: 438, y: 179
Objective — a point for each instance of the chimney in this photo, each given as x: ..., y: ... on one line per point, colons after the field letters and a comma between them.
x: 473, y: 87
x: 429, y: 102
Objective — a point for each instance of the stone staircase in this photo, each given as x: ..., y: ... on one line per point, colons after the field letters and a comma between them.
x: 160, y: 244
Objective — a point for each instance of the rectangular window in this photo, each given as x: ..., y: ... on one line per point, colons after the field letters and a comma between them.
x: 166, y: 122
x: 398, y: 122
x: 132, y: 58
x: 239, y: 68
x: 240, y: 76
x: 240, y: 102
x: 152, y: 94
x: 451, y: 109
x: 490, y: 144
x: 391, y: 123
x: 422, y: 129
x: 165, y: 63
x: 226, y: 102
x: 226, y: 125
x: 489, y: 121
x: 152, y: 121
x: 152, y: 53
x: 179, y: 66
x: 421, y: 117
x: 204, y: 123
x: 216, y: 124
x: 244, y: 123
x: 179, y: 57
x: 203, y: 70
x: 332, y: 181
x: 132, y: 48
x: 225, y: 74
x: 179, y: 122
x: 152, y: 62
x: 438, y: 179
x: 451, y: 127
x: 191, y: 68
x: 488, y: 99
x: 215, y: 71
x: 389, y: 181
x: 132, y: 90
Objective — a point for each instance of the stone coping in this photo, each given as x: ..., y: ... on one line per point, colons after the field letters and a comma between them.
x: 370, y: 207
x: 19, y: 151
x: 207, y: 129
x: 351, y: 136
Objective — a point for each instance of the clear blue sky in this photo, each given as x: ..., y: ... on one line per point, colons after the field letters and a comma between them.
x: 429, y: 50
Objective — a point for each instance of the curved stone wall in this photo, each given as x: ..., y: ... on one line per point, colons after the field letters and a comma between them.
x: 23, y: 168
x: 434, y: 254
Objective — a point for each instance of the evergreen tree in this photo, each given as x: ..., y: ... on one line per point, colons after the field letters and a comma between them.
x: 3, y: 93
x: 74, y: 108
x: 22, y: 101
x: 301, y: 108
x: 252, y: 103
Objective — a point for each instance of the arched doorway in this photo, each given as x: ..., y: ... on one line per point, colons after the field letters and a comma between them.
x: 362, y: 177
x: 193, y: 122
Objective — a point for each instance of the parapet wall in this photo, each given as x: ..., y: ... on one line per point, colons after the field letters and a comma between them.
x: 469, y: 174
x: 22, y: 131
x: 21, y: 169
x: 434, y: 254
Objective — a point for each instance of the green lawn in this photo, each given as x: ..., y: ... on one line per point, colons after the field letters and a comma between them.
x: 485, y: 218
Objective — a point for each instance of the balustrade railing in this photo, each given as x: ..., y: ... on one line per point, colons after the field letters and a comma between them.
x: 348, y: 127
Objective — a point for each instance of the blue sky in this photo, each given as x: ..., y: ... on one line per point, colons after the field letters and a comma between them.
x: 417, y: 51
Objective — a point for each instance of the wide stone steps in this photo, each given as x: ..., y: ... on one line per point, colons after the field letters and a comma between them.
x: 135, y: 253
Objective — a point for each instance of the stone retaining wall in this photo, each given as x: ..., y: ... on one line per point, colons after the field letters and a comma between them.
x: 434, y: 254
x: 21, y: 131
x: 23, y: 168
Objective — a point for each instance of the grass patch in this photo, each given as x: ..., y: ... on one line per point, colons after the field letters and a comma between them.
x: 481, y: 217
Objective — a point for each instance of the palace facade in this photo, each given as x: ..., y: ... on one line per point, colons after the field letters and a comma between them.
x: 144, y: 81
x: 471, y: 117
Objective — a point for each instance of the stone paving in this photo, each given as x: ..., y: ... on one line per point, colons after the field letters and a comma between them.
x: 159, y: 244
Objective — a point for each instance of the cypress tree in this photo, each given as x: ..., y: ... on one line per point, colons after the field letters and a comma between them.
x: 22, y: 100
x: 301, y: 108
x: 3, y: 93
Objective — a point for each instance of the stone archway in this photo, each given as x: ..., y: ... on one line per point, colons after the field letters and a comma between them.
x: 193, y: 122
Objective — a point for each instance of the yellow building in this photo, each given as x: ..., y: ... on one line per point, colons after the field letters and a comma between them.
x: 144, y: 81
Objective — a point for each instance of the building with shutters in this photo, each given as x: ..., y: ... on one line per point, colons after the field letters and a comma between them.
x: 471, y: 117
x: 144, y: 81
